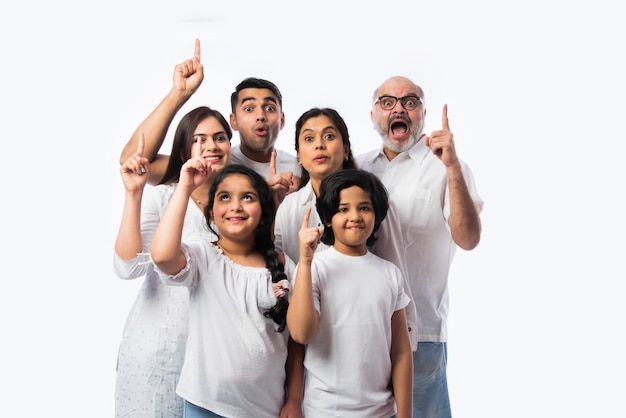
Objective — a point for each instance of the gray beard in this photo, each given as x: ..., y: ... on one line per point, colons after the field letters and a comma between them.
x: 413, y: 139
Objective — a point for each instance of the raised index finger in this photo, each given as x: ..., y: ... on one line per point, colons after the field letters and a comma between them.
x: 444, y: 118
x: 307, y: 215
x: 196, y: 150
x: 273, y: 164
x: 196, y: 52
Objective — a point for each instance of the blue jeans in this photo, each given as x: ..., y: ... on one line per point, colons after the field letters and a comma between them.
x: 430, y: 383
x: 194, y: 411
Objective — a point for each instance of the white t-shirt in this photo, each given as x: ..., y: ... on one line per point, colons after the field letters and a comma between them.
x: 235, y: 359
x: 389, y: 245
x: 152, y: 348
x: 347, y: 363
x: 417, y: 184
x: 284, y: 162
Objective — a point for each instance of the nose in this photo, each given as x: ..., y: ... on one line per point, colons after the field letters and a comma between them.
x: 209, y: 143
x: 355, y: 215
x: 235, y: 205
x: 261, y: 115
x: 400, y: 106
x: 319, y: 143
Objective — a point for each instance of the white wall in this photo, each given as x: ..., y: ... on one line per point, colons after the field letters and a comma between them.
x: 535, y: 92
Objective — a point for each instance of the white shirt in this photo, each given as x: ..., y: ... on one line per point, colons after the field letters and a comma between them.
x: 152, y: 349
x: 235, y: 359
x: 284, y: 162
x: 389, y: 245
x: 417, y: 185
x: 348, y: 363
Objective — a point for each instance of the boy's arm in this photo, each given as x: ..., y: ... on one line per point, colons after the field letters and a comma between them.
x: 188, y: 76
x: 302, y: 317
x: 401, y: 365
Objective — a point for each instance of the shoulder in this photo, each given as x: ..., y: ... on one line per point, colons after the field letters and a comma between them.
x: 364, y: 159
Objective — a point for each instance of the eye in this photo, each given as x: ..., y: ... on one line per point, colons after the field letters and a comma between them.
x: 410, y: 101
x: 387, y: 102
x: 329, y: 136
x: 365, y: 208
x: 220, y: 138
x: 342, y: 210
x: 247, y: 109
x: 308, y: 138
x: 270, y: 108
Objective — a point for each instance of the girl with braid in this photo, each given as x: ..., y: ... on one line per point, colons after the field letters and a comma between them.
x: 236, y: 361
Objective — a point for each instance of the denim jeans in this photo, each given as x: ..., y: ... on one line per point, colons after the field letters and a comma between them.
x: 194, y: 411
x: 430, y: 383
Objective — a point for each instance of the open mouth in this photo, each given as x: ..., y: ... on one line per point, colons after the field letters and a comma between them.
x: 399, y: 127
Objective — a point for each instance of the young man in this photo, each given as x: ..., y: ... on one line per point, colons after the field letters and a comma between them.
x: 439, y: 207
x: 256, y: 114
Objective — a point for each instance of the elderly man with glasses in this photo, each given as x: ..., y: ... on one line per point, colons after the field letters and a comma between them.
x: 439, y: 209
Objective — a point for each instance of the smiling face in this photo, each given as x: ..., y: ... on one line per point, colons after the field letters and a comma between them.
x: 399, y: 128
x: 258, y: 118
x: 211, y: 142
x: 354, y: 221
x: 321, y: 150
x: 236, y: 209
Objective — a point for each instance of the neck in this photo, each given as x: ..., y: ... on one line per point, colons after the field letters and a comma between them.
x: 236, y: 248
x: 263, y: 156
x: 390, y: 154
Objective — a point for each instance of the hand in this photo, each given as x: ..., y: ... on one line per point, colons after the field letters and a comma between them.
x: 196, y: 170
x: 188, y: 75
x: 441, y: 142
x: 309, y: 238
x: 136, y: 169
x: 281, y: 183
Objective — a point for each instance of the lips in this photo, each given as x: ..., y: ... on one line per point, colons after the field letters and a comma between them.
x: 320, y: 158
x: 213, y: 158
x: 261, y: 130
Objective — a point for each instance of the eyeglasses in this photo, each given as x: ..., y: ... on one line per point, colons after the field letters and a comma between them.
x: 408, y: 102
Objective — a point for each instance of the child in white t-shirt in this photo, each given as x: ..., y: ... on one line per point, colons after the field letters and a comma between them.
x: 348, y: 306
x: 236, y: 361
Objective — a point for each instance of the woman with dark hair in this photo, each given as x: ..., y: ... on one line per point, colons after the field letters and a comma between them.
x: 323, y: 147
x: 153, y: 342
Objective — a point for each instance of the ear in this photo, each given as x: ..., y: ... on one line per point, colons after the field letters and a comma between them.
x: 282, y: 120
x: 233, y: 122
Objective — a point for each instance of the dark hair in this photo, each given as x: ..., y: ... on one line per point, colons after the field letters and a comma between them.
x: 254, y: 83
x: 263, y: 241
x: 328, y: 201
x: 183, y: 140
x: 342, y: 128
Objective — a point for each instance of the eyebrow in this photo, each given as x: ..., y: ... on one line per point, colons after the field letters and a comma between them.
x: 211, y: 135
x: 254, y: 99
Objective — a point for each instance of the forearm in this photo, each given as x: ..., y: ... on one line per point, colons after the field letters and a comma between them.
x: 402, y: 366
x: 294, y: 378
x: 129, y: 241
x: 464, y: 219
x: 302, y: 318
x: 165, y: 248
x: 155, y: 126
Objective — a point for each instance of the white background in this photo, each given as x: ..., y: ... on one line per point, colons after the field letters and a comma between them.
x: 535, y: 92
